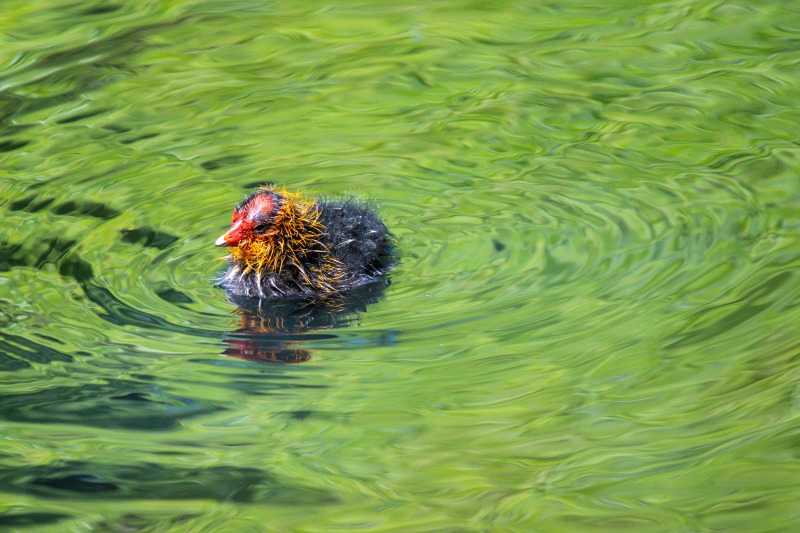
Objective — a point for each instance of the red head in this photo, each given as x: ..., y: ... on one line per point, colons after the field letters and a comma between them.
x: 252, y: 218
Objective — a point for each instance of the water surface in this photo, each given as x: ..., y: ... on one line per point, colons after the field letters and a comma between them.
x: 592, y: 326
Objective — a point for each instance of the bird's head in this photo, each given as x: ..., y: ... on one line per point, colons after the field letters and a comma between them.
x: 253, y: 219
x: 268, y: 227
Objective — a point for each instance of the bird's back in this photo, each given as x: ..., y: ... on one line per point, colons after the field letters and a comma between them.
x: 356, y: 237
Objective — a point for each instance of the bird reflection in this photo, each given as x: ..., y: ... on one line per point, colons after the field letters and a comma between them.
x: 276, y: 331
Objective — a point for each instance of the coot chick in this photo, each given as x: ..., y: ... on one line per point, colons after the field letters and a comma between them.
x: 286, y: 247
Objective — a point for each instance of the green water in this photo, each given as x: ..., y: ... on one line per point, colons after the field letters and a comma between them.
x: 592, y: 327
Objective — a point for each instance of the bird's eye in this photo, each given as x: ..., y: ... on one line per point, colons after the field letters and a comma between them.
x: 261, y: 227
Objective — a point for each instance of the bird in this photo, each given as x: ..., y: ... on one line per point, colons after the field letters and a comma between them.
x: 284, y: 246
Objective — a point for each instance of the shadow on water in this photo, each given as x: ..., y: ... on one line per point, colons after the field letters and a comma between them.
x: 18, y: 352
x: 109, y: 482
x: 30, y: 519
x: 274, y: 332
x: 114, y: 404
x: 150, y: 481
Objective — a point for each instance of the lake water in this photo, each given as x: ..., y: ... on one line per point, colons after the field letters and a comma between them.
x: 593, y: 325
